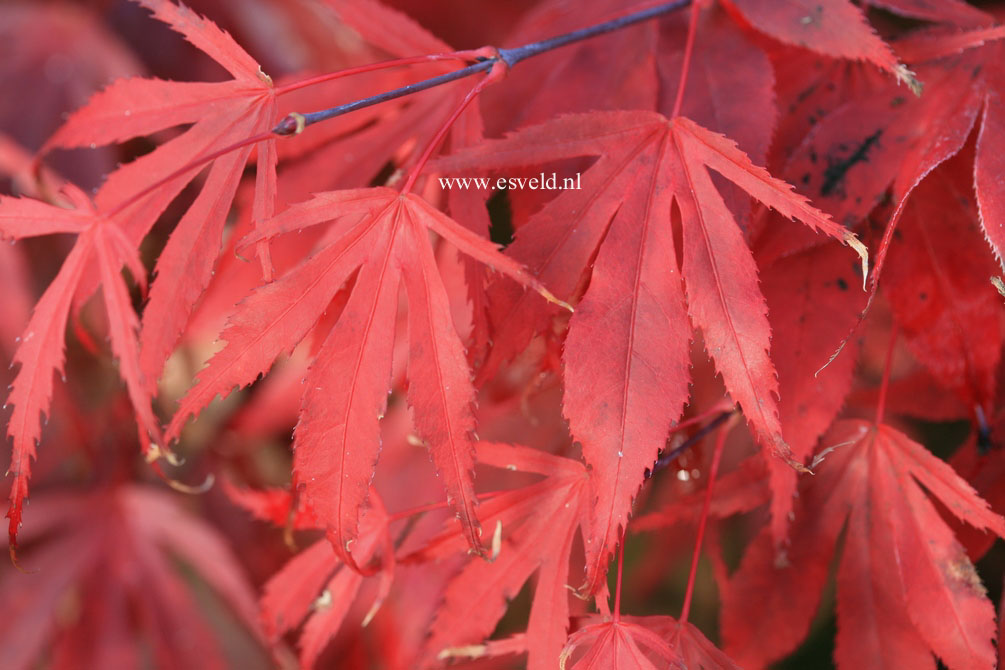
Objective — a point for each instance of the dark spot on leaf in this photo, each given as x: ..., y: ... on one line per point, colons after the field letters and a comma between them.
x: 842, y: 284
x: 806, y: 93
x: 838, y: 168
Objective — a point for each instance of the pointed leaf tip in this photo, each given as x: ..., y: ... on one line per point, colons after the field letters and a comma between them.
x: 852, y: 241
x: 550, y: 297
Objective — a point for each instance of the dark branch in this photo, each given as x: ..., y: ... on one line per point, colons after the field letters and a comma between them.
x: 513, y: 56
x: 289, y: 125
x: 295, y: 123
x: 664, y: 461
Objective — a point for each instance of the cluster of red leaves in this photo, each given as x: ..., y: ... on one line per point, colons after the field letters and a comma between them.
x: 725, y: 150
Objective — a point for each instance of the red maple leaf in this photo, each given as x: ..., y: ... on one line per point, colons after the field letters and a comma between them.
x: 103, y: 247
x: 110, y: 553
x: 642, y: 643
x: 622, y: 405
x: 380, y: 239
x: 906, y: 588
x: 668, y: 243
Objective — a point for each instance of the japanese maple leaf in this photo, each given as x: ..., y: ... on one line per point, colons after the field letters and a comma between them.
x: 114, y: 552
x: 380, y: 239
x: 627, y: 351
x: 538, y: 524
x: 101, y: 244
x: 314, y: 587
x: 905, y: 586
x: 222, y: 114
x: 642, y: 643
x: 619, y: 645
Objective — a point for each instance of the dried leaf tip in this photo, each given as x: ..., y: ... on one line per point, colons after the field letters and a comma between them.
x: 819, y: 458
x: 784, y: 452
x: 852, y: 241
x: 469, y: 651
x: 999, y: 284
x: 798, y: 467
x: 12, y: 550
x: 907, y: 77
x: 372, y: 612
x: 156, y: 452
x: 564, y: 657
x: 550, y: 297
x: 266, y: 79
x: 199, y: 489
x: 496, y: 542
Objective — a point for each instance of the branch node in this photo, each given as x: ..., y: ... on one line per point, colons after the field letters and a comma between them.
x: 293, y: 124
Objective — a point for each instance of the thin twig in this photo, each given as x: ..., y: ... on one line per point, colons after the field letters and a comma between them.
x: 713, y: 470
x: 295, y: 123
x: 513, y: 56
x: 887, y: 367
x: 669, y: 457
